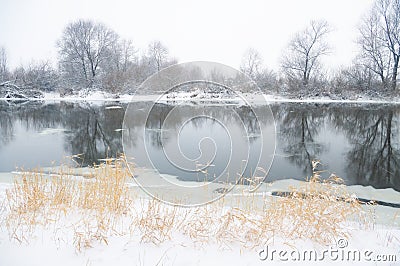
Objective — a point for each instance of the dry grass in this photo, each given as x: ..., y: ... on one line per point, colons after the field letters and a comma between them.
x: 102, y: 206
x: 94, y: 206
x: 316, y: 210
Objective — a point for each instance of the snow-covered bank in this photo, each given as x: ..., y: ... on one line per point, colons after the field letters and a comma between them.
x: 197, y: 97
x: 152, y: 233
x: 45, y: 250
x: 54, y: 245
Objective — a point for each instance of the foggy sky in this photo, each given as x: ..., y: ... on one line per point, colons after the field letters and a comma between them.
x: 211, y: 30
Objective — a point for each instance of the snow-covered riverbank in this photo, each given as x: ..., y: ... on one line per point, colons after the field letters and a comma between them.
x: 374, y: 242
x: 373, y: 247
x: 197, y: 97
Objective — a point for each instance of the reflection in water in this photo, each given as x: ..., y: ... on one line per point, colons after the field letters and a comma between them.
x: 88, y: 130
x: 155, y: 123
x: 359, y: 142
x: 6, y: 125
x: 93, y: 132
x: 299, y: 127
x: 374, y: 135
x: 182, y: 140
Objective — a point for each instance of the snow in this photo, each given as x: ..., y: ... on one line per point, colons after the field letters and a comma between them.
x: 113, y: 107
x: 49, y: 247
x: 55, y: 247
x: 178, y: 252
x: 86, y: 96
x: 50, y: 131
x: 275, y: 98
x: 198, y: 96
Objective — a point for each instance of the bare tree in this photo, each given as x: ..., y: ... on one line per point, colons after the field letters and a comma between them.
x: 389, y: 12
x: 374, y: 54
x: 267, y: 80
x: 122, y: 55
x: 158, y: 54
x: 35, y: 76
x: 251, y: 63
x: 128, y: 53
x: 305, y: 50
x: 84, y: 48
x: 252, y: 66
x: 358, y: 77
x: 119, y: 70
x: 40, y: 75
x: 3, y: 65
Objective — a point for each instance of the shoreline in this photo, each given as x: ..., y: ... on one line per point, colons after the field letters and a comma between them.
x: 146, y: 180
x: 237, y: 229
x: 268, y: 99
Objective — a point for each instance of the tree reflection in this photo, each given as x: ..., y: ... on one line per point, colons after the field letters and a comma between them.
x: 298, y: 128
x: 374, y: 156
x: 89, y: 130
x: 159, y: 112
x: 6, y: 124
x: 155, y: 122
x: 250, y: 122
x: 93, y: 132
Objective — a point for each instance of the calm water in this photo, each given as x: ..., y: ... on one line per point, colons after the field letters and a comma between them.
x: 360, y: 143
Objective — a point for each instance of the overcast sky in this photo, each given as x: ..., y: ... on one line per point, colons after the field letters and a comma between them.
x: 212, y: 30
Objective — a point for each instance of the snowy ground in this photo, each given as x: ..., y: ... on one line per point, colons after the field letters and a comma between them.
x: 198, y: 96
x: 181, y: 251
x: 54, y: 246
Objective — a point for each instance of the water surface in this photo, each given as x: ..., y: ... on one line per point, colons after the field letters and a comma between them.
x: 358, y: 142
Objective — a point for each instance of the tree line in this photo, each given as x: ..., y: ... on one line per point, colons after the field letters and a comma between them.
x: 374, y: 69
x: 92, y: 55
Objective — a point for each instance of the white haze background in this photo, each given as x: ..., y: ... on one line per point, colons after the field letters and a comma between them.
x: 218, y: 31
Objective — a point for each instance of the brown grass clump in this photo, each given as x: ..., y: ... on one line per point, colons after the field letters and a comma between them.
x: 317, y: 210
x: 94, y: 206
x: 157, y: 221
x: 102, y: 206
